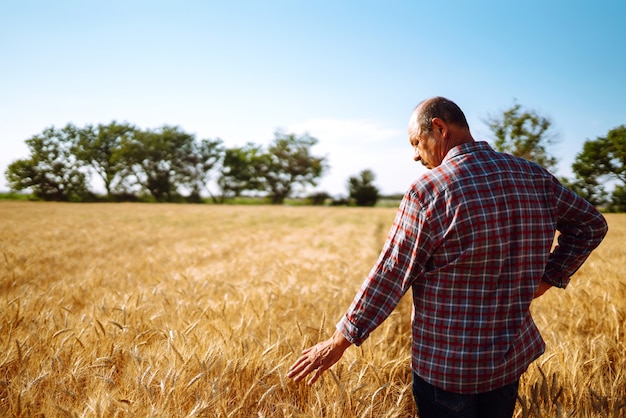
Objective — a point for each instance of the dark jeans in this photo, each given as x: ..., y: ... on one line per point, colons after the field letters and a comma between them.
x: 438, y: 403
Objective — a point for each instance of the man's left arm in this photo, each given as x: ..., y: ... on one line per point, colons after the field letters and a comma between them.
x: 582, y: 228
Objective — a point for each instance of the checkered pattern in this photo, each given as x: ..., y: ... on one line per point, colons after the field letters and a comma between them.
x: 472, y: 239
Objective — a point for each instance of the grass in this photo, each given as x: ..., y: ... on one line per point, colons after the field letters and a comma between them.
x: 16, y: 196
x: 140, y: 310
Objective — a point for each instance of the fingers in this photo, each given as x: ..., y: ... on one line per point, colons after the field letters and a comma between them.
x: 316, y: 375
x: 313, y: 359
x: 306, y: 364
x: 296, y: 370
x: 318, y: 359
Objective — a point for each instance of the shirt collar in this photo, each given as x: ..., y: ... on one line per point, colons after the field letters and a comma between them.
x: 467, y: 148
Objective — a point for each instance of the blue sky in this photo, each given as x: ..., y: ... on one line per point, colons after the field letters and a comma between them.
x: 347, y: 72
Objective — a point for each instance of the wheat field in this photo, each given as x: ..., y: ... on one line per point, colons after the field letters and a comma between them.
x: 148, y: 310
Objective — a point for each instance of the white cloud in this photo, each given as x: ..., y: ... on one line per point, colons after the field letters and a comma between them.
x: 346, y: 131
x: 352, y: 146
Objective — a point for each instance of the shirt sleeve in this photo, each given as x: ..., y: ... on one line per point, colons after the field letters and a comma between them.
x: 581, y: 229
x: 401, y: 261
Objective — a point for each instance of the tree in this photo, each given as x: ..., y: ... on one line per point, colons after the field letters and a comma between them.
x: 523, y: 133
x: 601, y: 160
x: 157, y: 159
x: 618, y: 199
x: 242, y: 169
x: 199, y: 164
x: 318, y: 198
x: 52, y: 172
x: 101, y: 149
x: 288, y: 163
x: 362, y: 189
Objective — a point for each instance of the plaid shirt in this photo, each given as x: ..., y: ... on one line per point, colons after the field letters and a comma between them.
x: 472, y: 239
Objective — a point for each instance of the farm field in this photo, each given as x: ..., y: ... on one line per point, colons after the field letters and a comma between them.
x: 159, y: 310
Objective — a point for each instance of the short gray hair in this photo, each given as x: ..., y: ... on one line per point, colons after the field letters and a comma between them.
x: 442, y: 108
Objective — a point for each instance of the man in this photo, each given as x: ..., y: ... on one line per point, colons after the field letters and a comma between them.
x: 472, y: 240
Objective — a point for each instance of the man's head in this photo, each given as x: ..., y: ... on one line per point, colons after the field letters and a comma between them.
x: 436, y: 126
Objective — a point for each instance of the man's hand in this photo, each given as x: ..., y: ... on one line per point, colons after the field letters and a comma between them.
x: 542, y: 288
x: 319, y: 358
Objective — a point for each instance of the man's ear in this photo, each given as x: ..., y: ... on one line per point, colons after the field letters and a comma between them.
x: 439, y: 125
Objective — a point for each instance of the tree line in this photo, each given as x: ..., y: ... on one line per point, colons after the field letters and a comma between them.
x: 169, y: 165
x: 165, y: 165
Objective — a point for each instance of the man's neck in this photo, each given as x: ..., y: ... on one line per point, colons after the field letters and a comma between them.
x: 458, y: 136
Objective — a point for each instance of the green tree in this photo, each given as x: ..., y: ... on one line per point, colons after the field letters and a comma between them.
x: 242, y: 169
x: 158, y: 161
x: 318, y: 198
x: 199, y: 166
x: 289, y: 163
x: 523, y: 133
x: 100, y: 148
x: 362, y: 190
x: 601, y: 160
x: 52, y: 172
x: 618, y: 199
